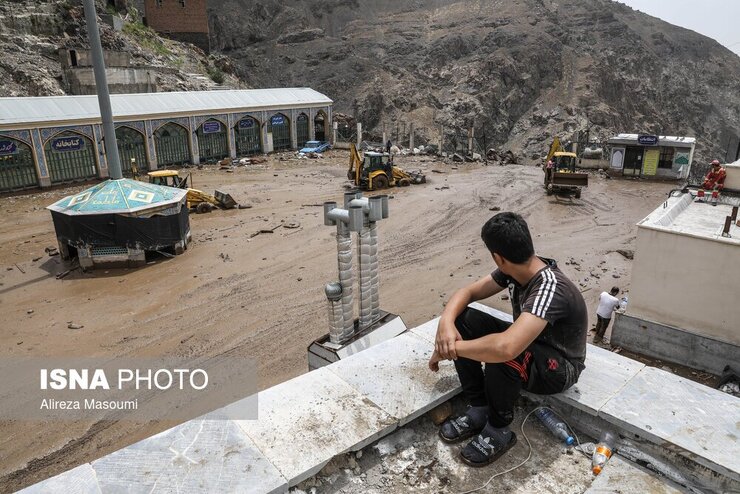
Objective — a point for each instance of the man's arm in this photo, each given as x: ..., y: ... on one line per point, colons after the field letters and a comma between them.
x: 500, y: 347
x: 447, y: 333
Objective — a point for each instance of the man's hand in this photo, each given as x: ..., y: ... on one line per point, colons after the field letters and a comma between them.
x: 444, y: 344
x: 434, y: 361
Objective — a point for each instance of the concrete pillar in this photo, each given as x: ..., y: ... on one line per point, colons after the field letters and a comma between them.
x: 470, y: 141
x: 411, y: 136
x: 334, y: 128
x: 149, y: 134
x: 101, y: 151
x: 38, y: 149
x: 263, y: 132
x: 293, y: 129
x: 359, y: 134
x: 311, y: 130
x: 194, y: 151
x: 232, y: 135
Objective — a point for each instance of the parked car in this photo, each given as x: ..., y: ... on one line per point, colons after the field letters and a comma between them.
x: 315, y: 147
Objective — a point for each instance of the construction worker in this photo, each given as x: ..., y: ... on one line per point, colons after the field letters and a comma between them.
x: 542, y: 351
x: 714, y: 181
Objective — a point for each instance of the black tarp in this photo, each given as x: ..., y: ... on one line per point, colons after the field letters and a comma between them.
x: 115, y: 230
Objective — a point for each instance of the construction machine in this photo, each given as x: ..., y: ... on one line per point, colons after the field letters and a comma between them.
x: 201, y: 201
x: 561, y: 176
x: 374, y: 171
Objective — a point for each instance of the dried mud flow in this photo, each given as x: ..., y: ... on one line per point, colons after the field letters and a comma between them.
x: 262, y: 296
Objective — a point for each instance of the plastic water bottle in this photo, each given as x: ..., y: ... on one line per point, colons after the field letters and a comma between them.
x: 603, y: 451
x: 554, y: 424
x: 623, y: 303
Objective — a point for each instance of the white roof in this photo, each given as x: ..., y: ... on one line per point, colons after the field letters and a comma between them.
x: 683, y: 216
x: 30, y: 111
x: 663, y: 139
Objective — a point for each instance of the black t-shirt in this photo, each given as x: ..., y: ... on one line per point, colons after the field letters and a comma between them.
x: 551, y: 296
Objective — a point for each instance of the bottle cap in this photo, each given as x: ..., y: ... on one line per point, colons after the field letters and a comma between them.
x: 596, y: 470
x: 569, y: 441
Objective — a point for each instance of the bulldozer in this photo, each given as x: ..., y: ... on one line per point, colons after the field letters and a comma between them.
x: 561, y: 177
x: 375, y: 171
x: 201, y: 201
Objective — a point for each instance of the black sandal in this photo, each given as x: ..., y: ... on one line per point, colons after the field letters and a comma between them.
x: 458, y: 429
x: 481, y: 452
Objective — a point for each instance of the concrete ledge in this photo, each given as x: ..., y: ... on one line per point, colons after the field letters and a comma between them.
x: 394, y: 375
x: 673, y: 344
x: 305, y: 422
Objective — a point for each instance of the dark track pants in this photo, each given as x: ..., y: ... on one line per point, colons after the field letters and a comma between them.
x: 540, y: 369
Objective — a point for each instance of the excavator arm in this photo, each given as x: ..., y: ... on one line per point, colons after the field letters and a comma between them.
x: 355, y: 165
x: 555, y: 147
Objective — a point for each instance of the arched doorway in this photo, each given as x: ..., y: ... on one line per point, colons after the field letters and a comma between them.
x: 171, y: 143
x: 319, y: 126
x: 70, y: 157
x: 212, y: 141
x: 17, y: 169
x: 247, y: 132
x: 131, y: 145
x: 279, y: 126
x: 301, y: 125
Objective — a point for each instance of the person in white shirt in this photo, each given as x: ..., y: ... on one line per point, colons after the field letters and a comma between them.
x: 608, y: 303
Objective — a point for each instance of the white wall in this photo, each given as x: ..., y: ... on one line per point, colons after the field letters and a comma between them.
x: 687, y: 282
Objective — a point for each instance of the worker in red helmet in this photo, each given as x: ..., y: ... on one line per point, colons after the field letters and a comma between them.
x: 714, y: 181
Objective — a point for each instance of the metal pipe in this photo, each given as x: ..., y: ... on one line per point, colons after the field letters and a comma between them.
x: 364, y: 261
x: 101, y: 86
x: 333, y: 293
x: 346, y: 279
x: 374, y: 276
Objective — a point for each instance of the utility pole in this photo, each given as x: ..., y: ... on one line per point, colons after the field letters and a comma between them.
x: 101, y: 86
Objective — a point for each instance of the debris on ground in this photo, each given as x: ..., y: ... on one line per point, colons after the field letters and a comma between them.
x: 52, y: 251
x: 627, y: 253
x: 73, y: 325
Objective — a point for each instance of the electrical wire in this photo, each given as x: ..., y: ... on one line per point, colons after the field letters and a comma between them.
x: 529, y: 445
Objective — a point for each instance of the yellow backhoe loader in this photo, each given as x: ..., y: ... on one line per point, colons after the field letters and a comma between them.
x: 375, y: 171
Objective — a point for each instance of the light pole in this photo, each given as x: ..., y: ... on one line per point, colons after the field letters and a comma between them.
x: 101, y: 85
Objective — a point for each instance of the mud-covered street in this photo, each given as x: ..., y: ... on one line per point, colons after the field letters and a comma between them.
x: 262, y: 296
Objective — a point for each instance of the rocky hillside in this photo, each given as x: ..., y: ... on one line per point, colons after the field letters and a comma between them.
x: 32, y: 32
x: 519, y: 71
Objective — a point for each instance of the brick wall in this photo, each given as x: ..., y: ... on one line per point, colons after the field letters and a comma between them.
x: 179, y: 16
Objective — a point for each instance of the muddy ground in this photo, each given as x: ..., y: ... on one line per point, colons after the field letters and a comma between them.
x: 263, y: 296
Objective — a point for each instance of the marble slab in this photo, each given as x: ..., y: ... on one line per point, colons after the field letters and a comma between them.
x: 395, y: 376
x: 303, y: 423
x: 197, y: 456
x: 606, y: 373
x: 79, y: 480
x: 696, y: 420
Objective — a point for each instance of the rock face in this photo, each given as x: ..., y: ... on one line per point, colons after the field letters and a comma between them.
x: 32, y: 34
x: 519, y: 71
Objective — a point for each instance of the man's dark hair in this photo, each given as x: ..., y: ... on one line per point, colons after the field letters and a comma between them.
x: 507, y: 235
x: 614, y: 290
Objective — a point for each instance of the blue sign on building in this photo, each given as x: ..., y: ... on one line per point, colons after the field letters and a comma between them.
x: 277, y: 120
x: 211, y: 127
x: 246, y: 123
x: 68, y: 144
x: 647, y: 140
x: 7, y: 147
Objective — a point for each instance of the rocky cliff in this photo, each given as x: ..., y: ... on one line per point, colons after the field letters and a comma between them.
x: 520, y: 72
x: 33, y: 32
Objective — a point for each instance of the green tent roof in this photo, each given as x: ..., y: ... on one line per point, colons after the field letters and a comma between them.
x: 122, y: 196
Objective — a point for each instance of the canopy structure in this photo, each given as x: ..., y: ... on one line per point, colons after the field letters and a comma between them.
x: 117, y: 221
x: 123, y: 196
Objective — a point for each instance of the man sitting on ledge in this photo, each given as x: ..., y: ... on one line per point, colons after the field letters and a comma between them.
x: 542, y: 351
